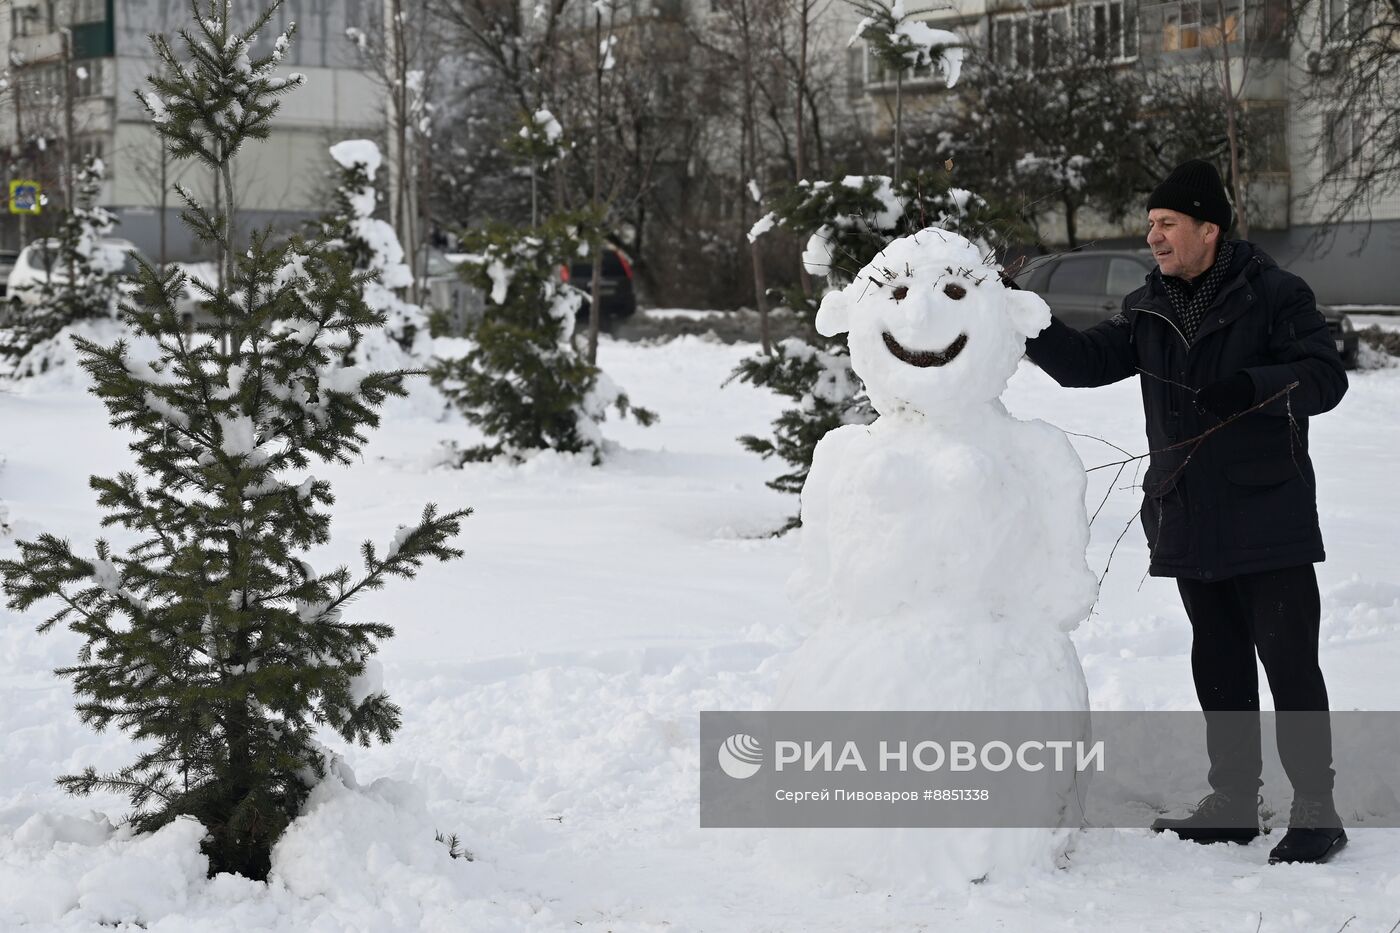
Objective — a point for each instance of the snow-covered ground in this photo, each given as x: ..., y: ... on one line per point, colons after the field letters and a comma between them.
x: 551, y: 683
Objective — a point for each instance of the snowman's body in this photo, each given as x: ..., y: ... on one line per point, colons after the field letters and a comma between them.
x: 943, y: 546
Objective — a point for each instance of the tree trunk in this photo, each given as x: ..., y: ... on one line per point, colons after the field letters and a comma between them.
x: 69, y: 156
x: 596, y: 291
x: 804, y: 9
x: 164, y: 202
x: 765, y: 335
x: 898, y: 124
x: 1227, y: 85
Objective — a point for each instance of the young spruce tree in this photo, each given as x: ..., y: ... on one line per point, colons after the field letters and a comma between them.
x: 372, y: 246
x: 523, y: 382
x: 210, y: 640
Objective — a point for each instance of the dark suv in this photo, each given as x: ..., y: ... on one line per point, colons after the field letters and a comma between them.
x: 1086, y: 288
x: 618, y: 298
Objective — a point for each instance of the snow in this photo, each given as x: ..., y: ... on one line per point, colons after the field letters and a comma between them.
x: 238, y: 435
x: 818, y: 254
x: 500, y: 275
x: 166, y: 410
x: 546, y: 124
x: 762, y: 226
x: 349, y: 153
x: 343, y: 380
x: 154, y: 103
x: 551, y: 682
x: 925, y: 38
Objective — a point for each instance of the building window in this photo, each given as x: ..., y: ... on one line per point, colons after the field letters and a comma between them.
x: 1038, y: 40
x: 1343, y: 19
x: 33, y: 20
x: 85, y: 146
x: 1348, y: 148
x: 1222, y: 22
x: 1267, y: 149
x: 1181, y: 25
x: 1194, y: 24
x: 89, y: 11
x: 876, y: 72
x: 87, y: 77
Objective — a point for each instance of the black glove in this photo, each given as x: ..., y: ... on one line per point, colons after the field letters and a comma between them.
x: 1227, y: 397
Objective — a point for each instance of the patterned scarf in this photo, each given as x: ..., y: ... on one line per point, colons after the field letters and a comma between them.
x: 1190, y: 299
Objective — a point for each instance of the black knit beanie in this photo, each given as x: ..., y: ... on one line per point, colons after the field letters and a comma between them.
x: 1194, y: 188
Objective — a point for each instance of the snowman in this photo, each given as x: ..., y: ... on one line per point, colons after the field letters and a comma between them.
x: 943, y: 546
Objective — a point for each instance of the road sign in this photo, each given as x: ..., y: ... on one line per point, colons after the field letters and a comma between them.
x: 24, y: 197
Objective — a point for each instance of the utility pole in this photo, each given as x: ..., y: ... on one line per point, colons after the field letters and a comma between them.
x: 69, y: 159
x: 17, y: 86
x: 69, y: 154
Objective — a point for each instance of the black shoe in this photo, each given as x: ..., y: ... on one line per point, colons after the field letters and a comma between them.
x: 1314, y: 834
x: 1218, y: 817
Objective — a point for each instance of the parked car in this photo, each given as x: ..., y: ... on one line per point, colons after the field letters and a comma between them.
x: 619, y: 299
x: 447, y: 293
x: 7, y: 263
x: 39, y: 261
x: 1086, y: 288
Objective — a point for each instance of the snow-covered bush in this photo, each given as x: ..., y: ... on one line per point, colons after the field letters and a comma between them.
x: 847, y: 223
x: 372, y: 247
x: 80, y: 283
x: 210, y: 640
x: 523, y: 382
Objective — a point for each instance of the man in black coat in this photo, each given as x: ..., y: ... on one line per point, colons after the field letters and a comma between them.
x: 1227, y: 344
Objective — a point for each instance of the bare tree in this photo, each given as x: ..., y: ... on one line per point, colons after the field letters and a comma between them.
x: 743, y: 33
x: 1350, y: 88
x: 518, y: 45
x: 1227, y: 31
x: 156, y: 173
x: 1047, y: 142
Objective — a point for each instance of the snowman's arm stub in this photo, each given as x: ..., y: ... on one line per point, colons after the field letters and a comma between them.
x: 817, y: 492
x: 1098, y: 356
x: 1061, y: 483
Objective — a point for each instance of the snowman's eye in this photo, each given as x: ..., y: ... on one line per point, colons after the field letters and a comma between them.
x: 900, y: 293
x: 954, y: 291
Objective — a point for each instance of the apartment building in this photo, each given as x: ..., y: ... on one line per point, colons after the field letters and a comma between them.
x: 1294, y: 145
x: 280, y: 180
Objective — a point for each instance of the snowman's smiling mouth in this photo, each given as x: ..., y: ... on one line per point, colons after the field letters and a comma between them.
x: 925, y: 358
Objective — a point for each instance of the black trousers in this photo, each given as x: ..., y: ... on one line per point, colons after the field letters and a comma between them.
x: 1276, y: 614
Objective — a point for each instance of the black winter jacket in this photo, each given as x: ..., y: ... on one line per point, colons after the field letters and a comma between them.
x: 1244, y: 499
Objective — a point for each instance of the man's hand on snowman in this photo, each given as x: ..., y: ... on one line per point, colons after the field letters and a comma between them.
x: 1227, y: 397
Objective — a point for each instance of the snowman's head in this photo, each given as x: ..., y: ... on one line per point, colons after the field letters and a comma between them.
x: 931, y: 326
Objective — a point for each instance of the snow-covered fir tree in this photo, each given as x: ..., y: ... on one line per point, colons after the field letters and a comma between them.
x: 372, y: 247
x: 211, y: 640
x: 540, y: 142
x: 903, y: 44
x: 846, y: 224
x: 80, y: 283
x: 524, y: 383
